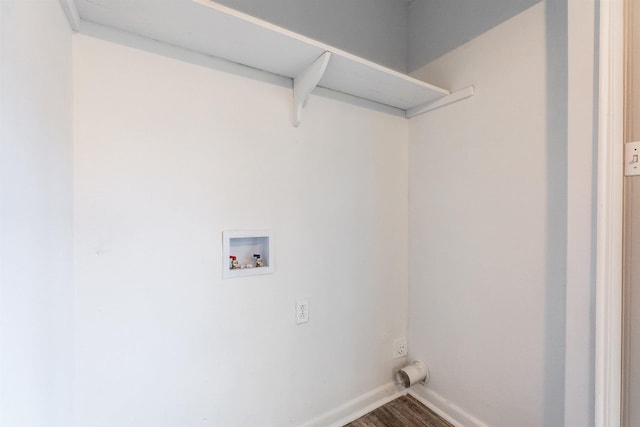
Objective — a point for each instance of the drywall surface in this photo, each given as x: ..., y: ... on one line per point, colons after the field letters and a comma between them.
x: 35, y: 215
x: 439, y: 26
x: 169, y: 154
x: 373, y: 29
x: 479, y: 229
x: 502, y: 248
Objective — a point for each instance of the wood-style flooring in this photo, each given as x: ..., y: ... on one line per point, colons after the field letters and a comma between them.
x: 404, y: 411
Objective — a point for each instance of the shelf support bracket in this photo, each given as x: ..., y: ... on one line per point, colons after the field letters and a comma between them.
x: 456, y: 96
x: 305, y: 82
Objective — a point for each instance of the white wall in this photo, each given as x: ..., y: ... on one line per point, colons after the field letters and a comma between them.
x: 35, y: 214
x: 162, y: 340
x: 167, y: 155
x: 500, y: 295
x: 478, y: 226
x: 374, y: 29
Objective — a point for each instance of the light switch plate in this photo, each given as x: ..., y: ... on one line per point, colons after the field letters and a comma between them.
x: 632, y: 158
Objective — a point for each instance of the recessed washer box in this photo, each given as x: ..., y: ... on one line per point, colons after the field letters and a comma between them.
x: 244, y: 244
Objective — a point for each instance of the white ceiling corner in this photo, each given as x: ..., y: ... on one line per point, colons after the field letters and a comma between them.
x: 71, y: 11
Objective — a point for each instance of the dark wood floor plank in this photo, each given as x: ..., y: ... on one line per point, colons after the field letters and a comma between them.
x: 405, y: 411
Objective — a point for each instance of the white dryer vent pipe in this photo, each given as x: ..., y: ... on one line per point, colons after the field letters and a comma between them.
x: 413, y: 373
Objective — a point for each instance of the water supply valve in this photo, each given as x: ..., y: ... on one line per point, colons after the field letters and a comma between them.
x: 258, y: 260
x: 234, y: 262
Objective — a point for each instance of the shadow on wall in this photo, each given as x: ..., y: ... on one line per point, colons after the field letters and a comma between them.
x: 557, y: 48
x: 439, y: 26
x: 556, y: 17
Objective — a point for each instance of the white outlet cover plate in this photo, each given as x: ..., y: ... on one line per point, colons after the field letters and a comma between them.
x: 400, y: 348
x: 632, y: 158
x: 302, y: 311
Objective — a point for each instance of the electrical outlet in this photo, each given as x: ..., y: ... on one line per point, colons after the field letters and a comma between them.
x: 302, y: 311
x: 400, y: 348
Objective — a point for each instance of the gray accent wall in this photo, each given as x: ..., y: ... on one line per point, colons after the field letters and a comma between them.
x: 439, y: 26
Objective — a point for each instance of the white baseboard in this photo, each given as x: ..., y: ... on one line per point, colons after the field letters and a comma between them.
x: 357, y: 407
x: 373, y: 399
x: 445, y: 408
